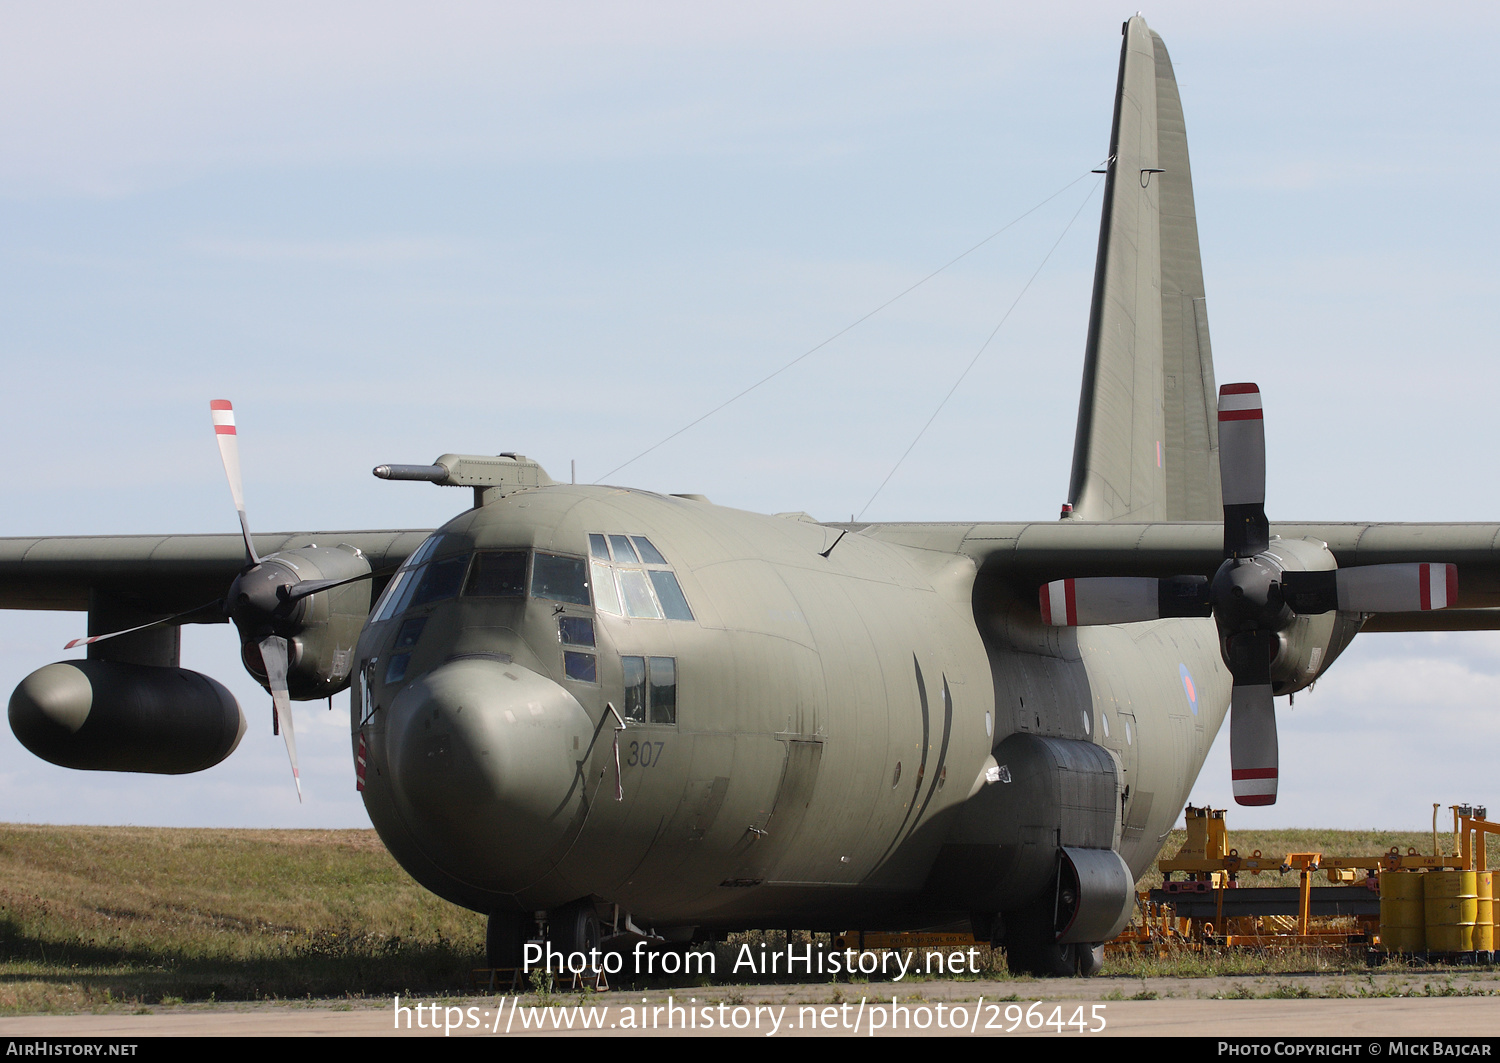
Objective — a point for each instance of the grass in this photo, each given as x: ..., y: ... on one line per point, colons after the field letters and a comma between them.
x: 134, y: 918
x: 94, y: 916
x: 1228, y: 963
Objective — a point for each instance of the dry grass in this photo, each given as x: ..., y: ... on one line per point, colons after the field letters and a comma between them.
x: 94, y: 916
x: 127, y: 917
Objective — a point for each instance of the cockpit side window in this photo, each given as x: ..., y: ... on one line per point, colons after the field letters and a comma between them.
x: 441, y: 580
x: 560, y: 579
x: 649, y: 554
x: 639, y: 583
x: 623, y: 551
x: 400, y: 587
x: 497, y: 574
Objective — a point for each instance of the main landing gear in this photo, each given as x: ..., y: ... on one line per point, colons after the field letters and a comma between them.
x: 1031, y: 945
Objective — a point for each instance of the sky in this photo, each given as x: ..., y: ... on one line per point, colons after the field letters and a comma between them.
x: 389, y: 231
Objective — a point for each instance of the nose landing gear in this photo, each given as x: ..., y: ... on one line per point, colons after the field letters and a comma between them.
x: 569, y: 929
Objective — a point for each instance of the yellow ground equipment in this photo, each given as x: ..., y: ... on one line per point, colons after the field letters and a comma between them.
x: 1438, y: 907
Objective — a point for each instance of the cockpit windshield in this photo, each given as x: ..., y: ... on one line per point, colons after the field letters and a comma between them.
x: 425, y: 578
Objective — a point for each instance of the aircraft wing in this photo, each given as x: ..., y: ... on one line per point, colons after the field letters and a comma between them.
x: 1023, y: 557
x: 162, y: 574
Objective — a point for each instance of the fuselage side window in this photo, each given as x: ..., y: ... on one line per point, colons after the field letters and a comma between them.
x: 662, y: 674
x: 634, y: 669
x: 650, y: 689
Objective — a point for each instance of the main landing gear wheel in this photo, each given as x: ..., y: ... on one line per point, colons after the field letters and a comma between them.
x: 1032, y: 948
x: 504, y: 937
x: 1031, y: 945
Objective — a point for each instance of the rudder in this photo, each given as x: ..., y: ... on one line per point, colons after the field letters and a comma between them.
x: 1147, y: 440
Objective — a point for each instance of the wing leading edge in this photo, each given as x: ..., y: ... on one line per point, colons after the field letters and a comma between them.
x: 1024, y: 556
x: 162, y: 574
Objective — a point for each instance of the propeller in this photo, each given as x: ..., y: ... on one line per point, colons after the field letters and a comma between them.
x: 262, y: 595
x: 293, y: 648
x: 263, y: 601
x: 1252, y: 597
x: 225, y: 432
x: 273, y: 656
x: 215, y: 606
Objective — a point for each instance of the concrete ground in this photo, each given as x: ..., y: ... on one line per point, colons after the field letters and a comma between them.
x: 1357, y: 1008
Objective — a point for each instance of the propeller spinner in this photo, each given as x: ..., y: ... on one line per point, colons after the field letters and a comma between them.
x: 1253, y: 597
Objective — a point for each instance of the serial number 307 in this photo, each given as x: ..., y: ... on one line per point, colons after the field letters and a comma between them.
x: 646, y: 754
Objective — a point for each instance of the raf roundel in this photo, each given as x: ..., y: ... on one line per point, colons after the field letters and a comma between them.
x: 1188, y: 688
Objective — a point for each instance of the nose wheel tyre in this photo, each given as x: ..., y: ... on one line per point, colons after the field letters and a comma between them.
x: 503, y: 938
x: 574, y: 927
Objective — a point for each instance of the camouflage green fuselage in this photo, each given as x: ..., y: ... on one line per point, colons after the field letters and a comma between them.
x: 833, y: 702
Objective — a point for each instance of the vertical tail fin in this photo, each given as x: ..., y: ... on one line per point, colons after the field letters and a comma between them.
x: 1147, y: 441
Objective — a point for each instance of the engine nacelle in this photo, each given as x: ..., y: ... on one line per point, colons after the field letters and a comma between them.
x: 1309, y: 643
x: 320, y: 630
x: 1095, y: 895
x: 1002, y: 847
x: 113, y: 716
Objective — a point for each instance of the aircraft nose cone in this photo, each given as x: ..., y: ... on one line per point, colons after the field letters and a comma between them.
x: 486, y: 758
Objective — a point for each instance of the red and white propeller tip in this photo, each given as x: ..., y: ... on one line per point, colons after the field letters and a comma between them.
x: 226, y: 433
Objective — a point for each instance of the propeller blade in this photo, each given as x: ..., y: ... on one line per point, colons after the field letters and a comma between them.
x: 308, y: 587
x: 273, y: 656
x: 229, y: 451
x: 1410, y: 588
x: 217, y: 605
x: 1397, y: 588
x: 1242, y: 470
x: 1122, y: 599
x: 1252, y: 722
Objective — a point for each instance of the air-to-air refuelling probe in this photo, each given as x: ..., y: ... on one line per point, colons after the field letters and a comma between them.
x: 594, y: 701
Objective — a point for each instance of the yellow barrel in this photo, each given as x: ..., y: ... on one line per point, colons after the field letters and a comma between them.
x: 1452, y: 899
x: 1403, y: 919
x: 1484, y: 927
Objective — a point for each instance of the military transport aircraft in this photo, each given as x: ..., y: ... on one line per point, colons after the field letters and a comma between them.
x: 627, y: 710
